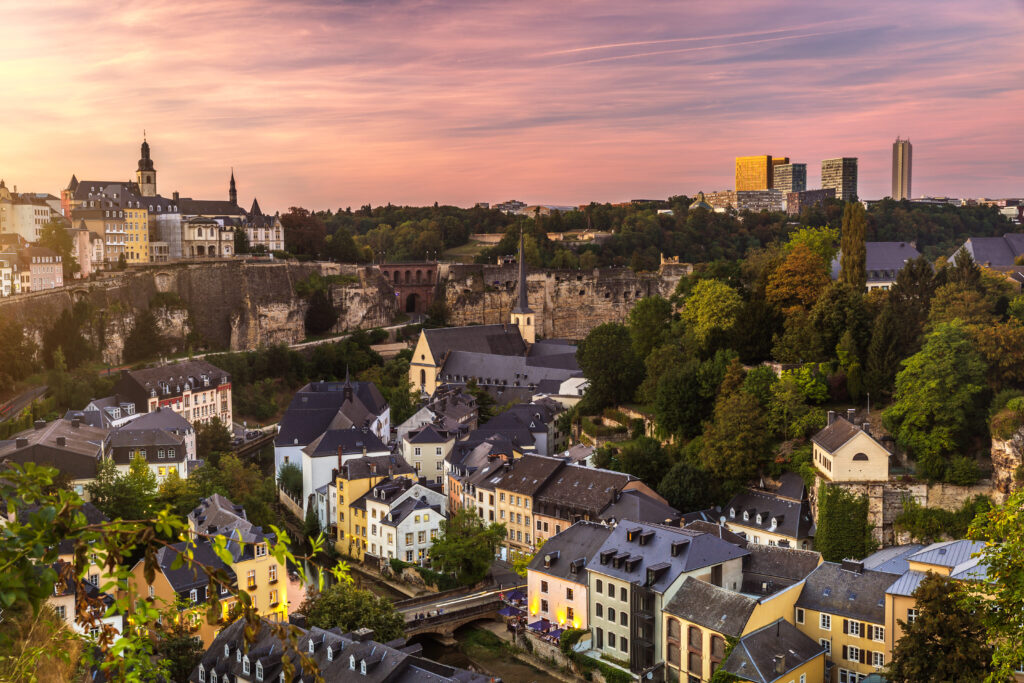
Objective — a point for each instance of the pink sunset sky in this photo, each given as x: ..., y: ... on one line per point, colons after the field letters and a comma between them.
x: 334, y: 104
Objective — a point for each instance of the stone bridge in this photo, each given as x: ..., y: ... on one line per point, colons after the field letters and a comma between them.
x: 442, y: 614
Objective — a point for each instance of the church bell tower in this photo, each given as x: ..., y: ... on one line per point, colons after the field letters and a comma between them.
x: 522, y: 315
x: 146, y: 175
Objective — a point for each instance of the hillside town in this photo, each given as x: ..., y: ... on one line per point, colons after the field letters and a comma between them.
x: 480, y: 342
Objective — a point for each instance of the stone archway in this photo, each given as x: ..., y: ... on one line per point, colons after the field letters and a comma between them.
x: 411, y: 302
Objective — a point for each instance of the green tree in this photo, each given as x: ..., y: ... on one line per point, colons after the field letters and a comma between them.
x: 212, y: 440
x: 645, y: 459
x: 823, y: 241
x: 759, y: 383
x: 955, y: 301
x: 939, y: 399
x: 175, y: 643
x: 735, y: 442
x: 649, y: 324
x: 241, y: 241
x: 348, y: 608
x: 843, y: 530
x: 304, y: 232
x: 241, y: 482
x: 1000, y: 598
x: 946, y: 642
x: 688, y: 487
x: 521, y: 561
x: 289, y: 478
x: 611, y: 365
x: 17, y: 352
x: 712, y: 308
x: 466, y: 546
x: 144, y: 342
x: 484, y: 401
x: 853, y: 256
x: 883, y: 355
x: 128, y: 495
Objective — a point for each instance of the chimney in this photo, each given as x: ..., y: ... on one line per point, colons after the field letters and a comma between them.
x: 831, y: 416
x: 174, y: 195
x: 853, y: 566
x: 779, y: 662
x: 75, y: 423
x: 867, y: 428
x: 851, y: 415
x: 339, y: 456
x: 62, y: 441
x: 21, y: 443
x: 38, y: 424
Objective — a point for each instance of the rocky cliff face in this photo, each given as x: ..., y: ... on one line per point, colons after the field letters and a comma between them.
x: 568, y: 303
x: 1007, y: 459
x: 230, y: 306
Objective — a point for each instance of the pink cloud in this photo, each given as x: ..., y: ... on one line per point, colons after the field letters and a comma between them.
x: 327, y: 104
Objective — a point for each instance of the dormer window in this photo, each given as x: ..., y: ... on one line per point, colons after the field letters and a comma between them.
x: 227, y: 650
x: 213, y: 677
x: 732, y: 513
x: 245, y: 664
x: 746, y: 516
x: 352, y: 662
x: 193, y: 595
x: 311, y: 646
x: 758, y: 520
x: 775, y: 522
x: 259, y: 671
x: 330, y: 654
x: 202, y: 674
x: 362, y: 667
x: 238, y: 655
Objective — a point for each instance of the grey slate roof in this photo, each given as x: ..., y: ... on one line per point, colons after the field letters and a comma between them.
x: 883, y: 260
x: 716, y: 529
x: 399, y: 512
x: 892, y: 559
x: 771, y: 568
x: 693, y: 551
x: 582, y: 488
x: 997, y: 252
x: 793, y: 518
x: 428, y: 434
x: 339, y: 657
x: 833, y: 436
x: 78, y: 458
x: 528, y: 474
x: 635, y: 506
x: 576, y: 546
x: 185, y: 578
x: 753, y: 657
x: 208, y: 207
x: 906, y: 584
x: 503, y: 369
x: 375, y: 465
x: 715, y: 608
x: 501, y: 340
x: 167, y: 420
x: 136, y: 385
x: 319, y: 406
x: 792, y: 486
x: 857, y: 595
x: 347, y: 440
x: 148, y: 439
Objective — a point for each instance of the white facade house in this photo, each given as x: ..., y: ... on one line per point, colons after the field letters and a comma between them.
x: 426, y: 450
x: 329, y: 452
x: 405, y: 527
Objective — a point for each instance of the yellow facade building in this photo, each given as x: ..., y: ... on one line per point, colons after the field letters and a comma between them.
x: 353, y: 481
x: 136, y: 225
x: 844, y: 451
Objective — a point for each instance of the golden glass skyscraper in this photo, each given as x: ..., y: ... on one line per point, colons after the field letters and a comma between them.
x: 756, y: 173
x: 902, y: 152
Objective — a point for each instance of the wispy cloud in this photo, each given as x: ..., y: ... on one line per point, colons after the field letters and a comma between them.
x: 411, y: 101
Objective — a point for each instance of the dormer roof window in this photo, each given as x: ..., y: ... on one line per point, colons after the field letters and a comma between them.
x: 746, y: 516
x: 245, y: 664
x: 352, y: 662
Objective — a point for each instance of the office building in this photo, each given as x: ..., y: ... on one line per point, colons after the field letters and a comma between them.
x: 789, y: 177
x: 902, y: 153
x: 841, y: 175
x: 796, y: 201
x: 757, y: 172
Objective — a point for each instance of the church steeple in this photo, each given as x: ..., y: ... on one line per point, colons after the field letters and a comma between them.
x: 232, y: 192
x: 145, y: 176
x: 522, y: 314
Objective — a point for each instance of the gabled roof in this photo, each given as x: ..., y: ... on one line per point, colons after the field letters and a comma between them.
x: 528, y: 474
x: 835, y: 435
x: 208, y: 207
x: 167, y: 420
x: 400, y: 512
x: 502, y: 340
x: 754, y: 656
x: 997, y: 252
x: 892, y: 559
x: 771, y: 568
x: 577, y: 545
x: 883, y: 260
x: 320, y: 406
x: 428, y: 434
x: 949, y: 553
x: 375, y: 465
x: 846, y: 592
x: 715, y: 608
x: 185, y: 577
x: 347, y: 441
x: 716, y: 529
x: 635, y: 506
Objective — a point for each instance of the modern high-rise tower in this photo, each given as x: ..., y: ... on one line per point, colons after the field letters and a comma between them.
x: 789, y: 177
x: 757, y: 173
x: 841, y: 175
x: 902, y: 152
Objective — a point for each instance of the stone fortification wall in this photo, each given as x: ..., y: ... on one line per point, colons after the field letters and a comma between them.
x: 228, y: 305
x: 568, y: 303
x: 885, y: 501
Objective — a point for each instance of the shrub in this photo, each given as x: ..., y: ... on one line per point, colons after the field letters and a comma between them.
x: 963, y: 471
x: 928, y: 525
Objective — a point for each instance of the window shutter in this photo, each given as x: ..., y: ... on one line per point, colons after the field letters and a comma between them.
x: 869, y: 631
x: 844, y: 652
x: 863, y: 656
x: 846, y: 625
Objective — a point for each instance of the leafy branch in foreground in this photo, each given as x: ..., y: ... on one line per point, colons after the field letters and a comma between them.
x: 41, y: 517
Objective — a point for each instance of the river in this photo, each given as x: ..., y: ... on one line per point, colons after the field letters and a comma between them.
x: 477, y: 650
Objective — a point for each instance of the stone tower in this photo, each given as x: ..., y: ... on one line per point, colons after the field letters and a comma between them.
x: 146, y: 175
x: 232, y: 192
x: 522, y: 316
